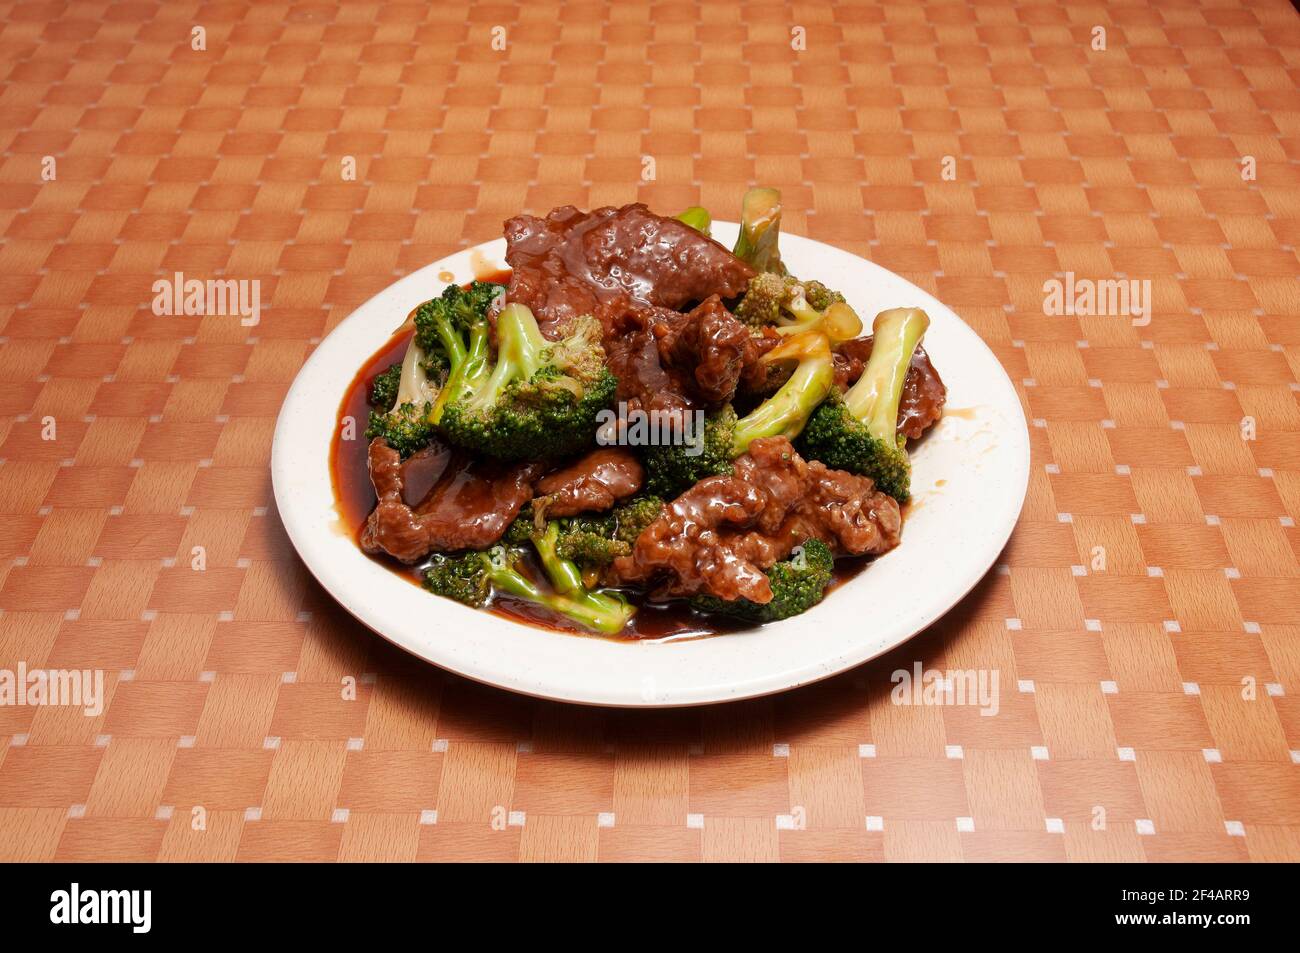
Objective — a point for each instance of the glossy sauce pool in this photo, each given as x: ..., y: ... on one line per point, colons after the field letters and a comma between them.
x: 354, y: 498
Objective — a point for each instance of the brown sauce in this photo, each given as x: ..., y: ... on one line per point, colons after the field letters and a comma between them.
x: 355, y: 497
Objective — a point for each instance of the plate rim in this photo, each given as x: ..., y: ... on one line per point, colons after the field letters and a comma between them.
x: 753, y: 686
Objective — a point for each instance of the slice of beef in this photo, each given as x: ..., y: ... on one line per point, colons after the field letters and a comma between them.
x: 709, y: 343
x: 631, y: 269
x: 591, y: 484
x: 719, y: 536
x: 846, y: 512
x: 924, y: 393
x: 608, y: 260
x: 701, y: 544
x: 469, y: 505
x: 632, y: 355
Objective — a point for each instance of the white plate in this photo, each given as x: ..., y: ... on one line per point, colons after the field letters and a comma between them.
x: 969, y: 479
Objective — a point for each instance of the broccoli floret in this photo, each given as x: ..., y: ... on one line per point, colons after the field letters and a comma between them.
x: 698, y: 218
x: 472, y: 577
x: 454, y: 333
x: 383, y: 387
x: 407, y: 425
x: 819, y: 296
x: 790, y: 306
x: 591, y: 540
x: 858, y: 431
x: 760, y: 230
x: 589, y: 545
x: 798, y: 583
x: 449, y: 346
x: 632, y: 517
x: 540, y: 399
x: 672, y: 468
x: 442, y: 323
x: 761, y: 304
x: 466, y: 577
x: 601, y: 611
x: 594, y: 541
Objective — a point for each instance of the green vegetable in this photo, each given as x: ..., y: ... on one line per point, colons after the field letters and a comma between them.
x: 595, y: 541
x: 383, y: 389
x: 798, y: 583
x: 450, y: 343
x: 471, y: 577
x: 633, y: 516
x: 791, y: 306
x: 407, y: 424
x: 539, y: 399
x: 591, y: 541
x: 698, y: 218
x: 760, y: 230
x: 671, y: 468
x: 858, y: 432
x: 406, y: 427
x: 454, y: 332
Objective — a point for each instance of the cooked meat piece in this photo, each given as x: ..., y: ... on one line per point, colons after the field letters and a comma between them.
x: 422, y: 469
x: 709, y: 342
x: 468, y: 507
x: 843, y: 510
x: 604, y: 261
x: 699, y: 544
x: 924, y: 393
x: 591, y: 484
x: 846, y: 512
x: 848, y: 366
x: 536, y: 252
x: 631, y: 269
x: 721, y: 534
x: 632, y: 354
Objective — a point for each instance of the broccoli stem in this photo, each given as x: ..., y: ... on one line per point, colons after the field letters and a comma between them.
x: 594, y: 610
x: 452, y: 342
x: 786, y: 411
x: 467, y: 370
x: 564, y: 574
x: 760, y: 230
x: 414, y: 386
x: 508, y: 580
x: 496, y: 568
x: 839, y: 321
x: 698, y: 218
x: 875, y: 397
x: 519, y: 354
x: 797, y: 305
